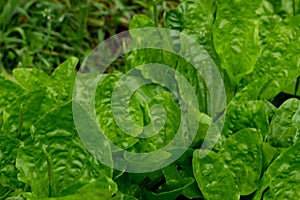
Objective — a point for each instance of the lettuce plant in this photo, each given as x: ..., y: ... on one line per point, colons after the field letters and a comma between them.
x: 255, y: 46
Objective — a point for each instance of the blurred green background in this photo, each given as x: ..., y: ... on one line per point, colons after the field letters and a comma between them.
x: 43, y: 33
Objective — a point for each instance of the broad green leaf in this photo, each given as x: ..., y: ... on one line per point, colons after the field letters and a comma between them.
x: 154, y: 115
x: 249, y: 92
x: 105, y: 116
x: 170, y: 128
x: 242, y: 154
x: 268, y: 20
x: 59, y: 85
x: 194, y: 18
x: 142, y: 56
x: 248, y: 114
x: 10, y: 91
x: 269, y: 153
x: 143, y: 37
x: 56, y: 163
x: 236, y: 36
x: 279, y: 59
x: 183, y: 169
x: 31, y: 79
x: 102, y: 189
x: 139, y: 108
x: 283, y: 130
x: 146, y: 56
x: 214, y: 178
x: 64, y: 77
x: 20, y: 115
x: 284, y: 175
x: 252, y: 92
x: 197, y: 83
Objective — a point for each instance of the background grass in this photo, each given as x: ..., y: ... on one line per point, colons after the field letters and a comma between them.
x: 42, y: 33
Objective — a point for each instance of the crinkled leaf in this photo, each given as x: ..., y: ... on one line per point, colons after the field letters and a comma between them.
x: 268, y: 20
x: 59, y: 85
x: 56, y: 163
x: 142, y: 107
x: 170, y: 128
x: 102, y: 189
x: 284, y: 175
x: 236, y: 36
x: 249, y: 114
x: 283, y: 130
x: 249, y: 92
x: 10, y: 91
x: 196, y: 82
x: 31, y: 79
x: 64, y: 77
x: 20, y: 115
x: 279, y: 59
x: 242, y: 154
x: 142, y: 56
x: 195, y: 18
x: 142, y: 38
x: 214, y: 178
x: 105, y: 115
x: 146, y: 56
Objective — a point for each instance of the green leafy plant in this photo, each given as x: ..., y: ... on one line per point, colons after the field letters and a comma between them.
x: 256, y: 48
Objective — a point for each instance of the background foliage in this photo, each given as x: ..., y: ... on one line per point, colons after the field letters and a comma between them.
x: 42, y: 34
